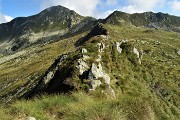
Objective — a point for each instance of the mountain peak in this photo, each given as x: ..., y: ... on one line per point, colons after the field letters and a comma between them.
x: 53, y: 21
x: 57, y: 9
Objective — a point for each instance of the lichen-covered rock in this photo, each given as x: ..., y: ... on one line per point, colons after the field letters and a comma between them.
x: 97, y: 72
x: 139, y: 54
x: 118, y: 45
x: 82, y: 66
x: 95, y: 84
x: 135, y: 51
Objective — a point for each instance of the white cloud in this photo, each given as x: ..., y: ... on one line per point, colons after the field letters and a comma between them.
x: 147, y: 4
x: 175, y: 5
x: 8, y: 18
x: 83, y: 7
x: 138, y: 6
x: 5, y: 18
x: 132, y: 9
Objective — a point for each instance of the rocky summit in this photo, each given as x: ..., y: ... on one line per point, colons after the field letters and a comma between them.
x: 60, y: 65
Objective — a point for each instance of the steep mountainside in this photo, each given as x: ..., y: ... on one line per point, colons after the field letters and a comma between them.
x: 54, y: 21
x: 147, y: 19
x: 117, y: 69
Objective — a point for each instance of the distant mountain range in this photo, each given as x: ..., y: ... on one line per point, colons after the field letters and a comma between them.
x: 59, y: 22
x: 148, y: 19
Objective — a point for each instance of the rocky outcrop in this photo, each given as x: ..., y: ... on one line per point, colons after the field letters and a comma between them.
x: 82, y: 66
x: 118, y: 46
x: 42, y: 83
x: 138, y: 54
x: 52, y: 70
x: 95, y: 73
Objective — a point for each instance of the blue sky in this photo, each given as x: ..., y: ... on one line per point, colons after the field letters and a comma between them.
x: 10, y: 9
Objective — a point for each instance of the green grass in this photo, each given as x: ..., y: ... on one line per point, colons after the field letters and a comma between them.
x: 80, y: 106
x: 71, y: 107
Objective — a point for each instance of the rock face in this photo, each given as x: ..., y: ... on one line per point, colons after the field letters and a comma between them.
x: 96, y: 73
x: 82, y: 66
x: 41, y: 84
x: 51, y: 72
x: 139, y: 54
x: 146, y: 19
x: 135, y: 51
x: 118, y: 46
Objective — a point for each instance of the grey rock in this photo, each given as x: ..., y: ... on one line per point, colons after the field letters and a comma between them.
x: 118, y: 45
x: 178, y: 52
x: 52, y: 72
x: 82, y: 66
x: 30, y: 118
x: 84, y: 50
x: 139, y: 54
x: 135, y: 51
x: 98, y: 72
x: 95, y: 84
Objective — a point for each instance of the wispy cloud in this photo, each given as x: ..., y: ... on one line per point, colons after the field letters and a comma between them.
x: 175, y: 5
x: 4, y: 18
x: 83, y: 7
x: 138, y: 6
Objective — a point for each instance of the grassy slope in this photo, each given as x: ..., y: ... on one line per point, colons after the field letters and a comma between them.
x: 143, y: 92
x: 27, y: 67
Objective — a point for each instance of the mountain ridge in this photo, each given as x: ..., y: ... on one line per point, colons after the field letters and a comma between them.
x: 147, y: 19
